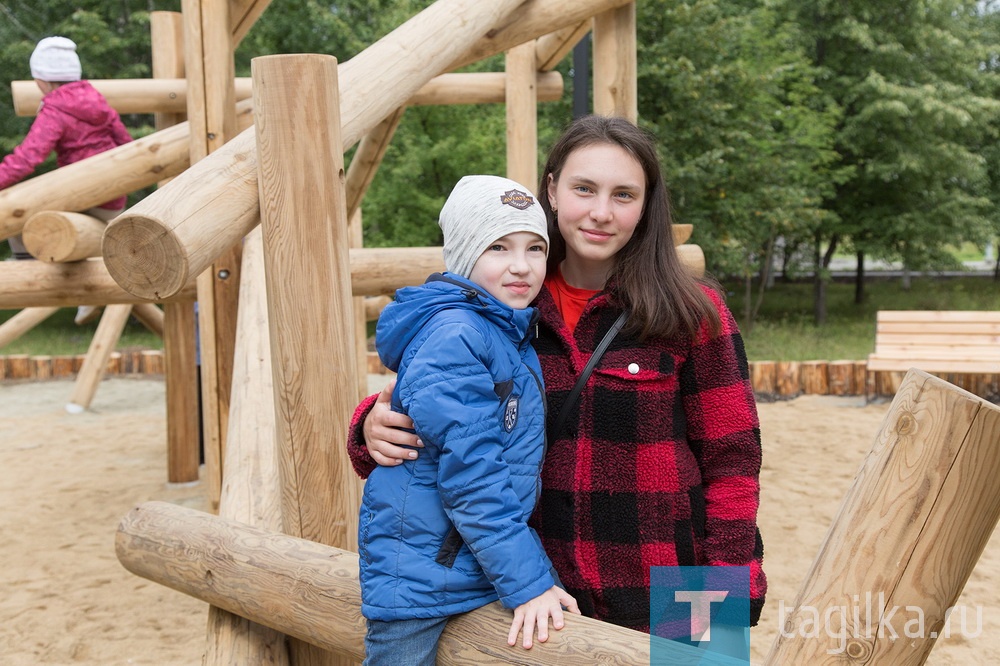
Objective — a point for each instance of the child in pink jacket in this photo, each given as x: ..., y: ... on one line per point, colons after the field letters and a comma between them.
x: 74, y: 120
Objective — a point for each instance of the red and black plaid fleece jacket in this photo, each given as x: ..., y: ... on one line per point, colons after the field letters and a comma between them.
x: 657, y: 465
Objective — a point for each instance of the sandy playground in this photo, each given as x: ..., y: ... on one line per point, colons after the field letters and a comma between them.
x: 65, y: 481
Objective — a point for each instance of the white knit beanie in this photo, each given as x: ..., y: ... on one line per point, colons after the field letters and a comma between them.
x: 55, y: 59
x: 482, y: 209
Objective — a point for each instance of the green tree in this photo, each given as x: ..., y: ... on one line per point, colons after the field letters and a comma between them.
x: 745, y: 135
x: 907, y: 75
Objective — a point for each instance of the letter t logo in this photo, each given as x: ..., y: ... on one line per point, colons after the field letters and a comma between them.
x: 701, y: 604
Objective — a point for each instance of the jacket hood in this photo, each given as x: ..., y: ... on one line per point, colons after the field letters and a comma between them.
x: 402, y: 320
x: 82, y: 101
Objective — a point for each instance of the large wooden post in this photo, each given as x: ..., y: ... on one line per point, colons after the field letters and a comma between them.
x: 176, y: 232
x: 908, y: 534
x: 615, y: 86
x: 522, y: 116
x: 306, y: 241
x: 251, y: 493
x: 210, y: 72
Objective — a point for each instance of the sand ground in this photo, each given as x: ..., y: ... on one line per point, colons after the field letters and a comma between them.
x: 66, y: 480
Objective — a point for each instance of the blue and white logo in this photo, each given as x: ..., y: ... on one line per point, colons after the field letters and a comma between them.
x: 510, y: 413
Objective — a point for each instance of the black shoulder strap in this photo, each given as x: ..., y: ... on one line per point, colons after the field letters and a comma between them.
x: 574, y: 395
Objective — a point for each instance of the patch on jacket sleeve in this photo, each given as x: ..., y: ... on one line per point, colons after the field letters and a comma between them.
x: 510, y: 413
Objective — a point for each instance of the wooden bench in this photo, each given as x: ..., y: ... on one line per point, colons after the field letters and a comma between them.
x: 937, y: 341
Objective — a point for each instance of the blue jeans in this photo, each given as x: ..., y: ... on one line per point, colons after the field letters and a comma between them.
x: 403, y: 642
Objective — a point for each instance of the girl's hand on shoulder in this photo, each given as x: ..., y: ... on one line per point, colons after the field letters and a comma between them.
x: 534, y: 615
x: 387, y: 441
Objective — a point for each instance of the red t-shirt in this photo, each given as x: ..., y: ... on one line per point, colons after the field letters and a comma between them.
x: 569, y: 300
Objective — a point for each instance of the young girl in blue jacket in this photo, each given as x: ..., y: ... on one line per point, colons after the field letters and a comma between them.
x: 448, y: 532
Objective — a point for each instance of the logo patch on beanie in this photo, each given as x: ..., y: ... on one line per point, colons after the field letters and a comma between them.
x: 517, y: 199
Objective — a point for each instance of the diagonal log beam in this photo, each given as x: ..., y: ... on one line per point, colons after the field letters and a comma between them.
x: 177, y: 231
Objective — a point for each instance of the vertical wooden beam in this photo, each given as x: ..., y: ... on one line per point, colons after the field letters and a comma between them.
x: 306, y: 253
x: 251, y: 493
x: 615, y: 69
x: 211, y: 113
x: 522, y: 115
x: 167, y: 42
x: 907, y: 536
x: 178, y: 326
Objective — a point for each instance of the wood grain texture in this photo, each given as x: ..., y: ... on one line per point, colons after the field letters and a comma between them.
x: 908, y: 533
x: 616, y: 90
x: 522, y: 116
x: 22, y: 322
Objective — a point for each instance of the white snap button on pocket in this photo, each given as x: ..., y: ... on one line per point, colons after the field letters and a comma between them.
x: 633, y: 368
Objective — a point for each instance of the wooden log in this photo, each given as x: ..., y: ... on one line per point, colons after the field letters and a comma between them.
x: 242, y: 15
x: 41, y: 367
x: 166, y: 30
x: 862, y: 378
x: 841, y: 378
x: 22, y: 322
x: 113, y: 366
x: 693, y: 258
x: 26, y: 284
x: 250, y: 492
x: 550, y: 49
x: 522, y: 116
x: 62, y: 366
x: 297, y: 586
x: 764, y: 377
x: 168, y: 95
x: 176, y: 232
x: 787, y: 379
x: 681, y: 233
x: 813, y: 377
x: 321, y: 495
x: 96, y: 179
x: 355, y: 235
x: 109, y: 330
x: 181, y: 375
x: 481, y: 88
x: 210, y: 71
x: 534, y: 19
x: 56, y: 236
x: 298, y: 118
x: 374, y: 306
x: 615, y: 82
x: 104, y: 176
x: 152, y: 362
x: 908, y: 533
x: 374, y: 272
x: 151, y: 316
x: 18, y: 366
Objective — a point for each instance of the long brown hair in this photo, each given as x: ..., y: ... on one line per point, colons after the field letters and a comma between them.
x: 648, y: 277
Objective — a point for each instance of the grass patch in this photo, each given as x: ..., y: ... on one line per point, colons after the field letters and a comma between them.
x: 784, y: 330
x: 58, y: 335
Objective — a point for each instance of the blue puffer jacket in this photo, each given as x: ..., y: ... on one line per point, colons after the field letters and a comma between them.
x: 447, y: 533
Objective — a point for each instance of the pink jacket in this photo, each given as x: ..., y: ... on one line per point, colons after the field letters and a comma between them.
x: 74, y: 120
